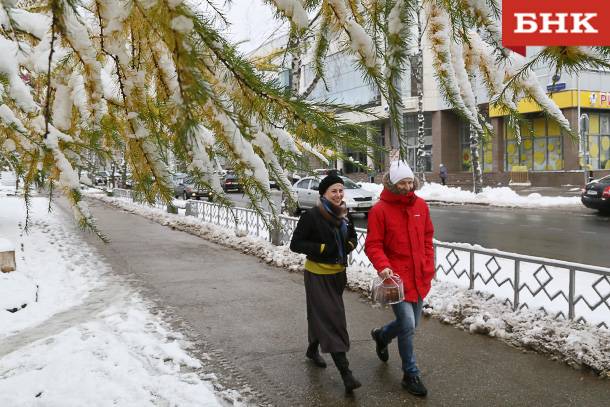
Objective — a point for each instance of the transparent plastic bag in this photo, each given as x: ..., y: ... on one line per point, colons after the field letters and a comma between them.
x: 388, y: 291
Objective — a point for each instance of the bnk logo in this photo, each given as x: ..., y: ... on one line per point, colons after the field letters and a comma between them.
x: 555, y: 22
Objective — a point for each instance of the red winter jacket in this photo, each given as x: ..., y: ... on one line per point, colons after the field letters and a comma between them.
x: 400, y: 237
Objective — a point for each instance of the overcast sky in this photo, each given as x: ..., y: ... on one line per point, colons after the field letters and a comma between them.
x: 252, y: 22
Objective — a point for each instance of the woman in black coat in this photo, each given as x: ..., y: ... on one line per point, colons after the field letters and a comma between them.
x: 326, y: 234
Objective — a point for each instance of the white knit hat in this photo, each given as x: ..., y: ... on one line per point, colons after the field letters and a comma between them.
x: 400, y: 170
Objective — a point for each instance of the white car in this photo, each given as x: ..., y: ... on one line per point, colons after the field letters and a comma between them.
x: 357, y: 199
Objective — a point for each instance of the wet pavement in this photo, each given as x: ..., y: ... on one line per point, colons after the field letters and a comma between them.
x: 250, y: 318
x: 577, y: 235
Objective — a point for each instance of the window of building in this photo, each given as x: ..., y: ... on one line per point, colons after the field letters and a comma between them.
x: 541, y: 147
x: 379, y: 140
x: 413, y: 76
x: 355, y: 164
x: 344, y: 80
x: 411, y: 142
x: 599, y: 140
x: 485, y: 151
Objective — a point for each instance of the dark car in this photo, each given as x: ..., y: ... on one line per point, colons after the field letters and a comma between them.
x: 101, y: 177
x: 230, y: 182
x: 596, y: 194
x: 178, y: 183
x: 191, y: 191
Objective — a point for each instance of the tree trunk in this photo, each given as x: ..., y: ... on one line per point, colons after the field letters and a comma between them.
x: 477, y: 175
x: 419, y: 75
x: 294, y: 47
x: 475, y: 142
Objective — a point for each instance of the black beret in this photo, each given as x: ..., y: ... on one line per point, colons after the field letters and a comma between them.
x: 328, y: 181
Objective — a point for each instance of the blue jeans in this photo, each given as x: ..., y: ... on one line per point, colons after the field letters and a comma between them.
x: 408, y: 315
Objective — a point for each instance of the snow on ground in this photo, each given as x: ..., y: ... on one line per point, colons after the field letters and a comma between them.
x: 578, y: 345
x: 477, y: 312
x: 503, y: 196
x: 7, y: 183
x: 74, y: 334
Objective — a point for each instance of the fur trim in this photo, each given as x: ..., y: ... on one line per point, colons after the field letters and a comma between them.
x: 340, y: 212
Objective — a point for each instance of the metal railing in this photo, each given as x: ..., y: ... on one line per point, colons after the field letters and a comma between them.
x: 562, y: 289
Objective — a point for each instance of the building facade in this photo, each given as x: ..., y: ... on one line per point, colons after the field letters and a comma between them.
x: 550, y: 156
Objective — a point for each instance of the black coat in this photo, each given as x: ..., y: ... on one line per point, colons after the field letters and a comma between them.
x: 313, y: 230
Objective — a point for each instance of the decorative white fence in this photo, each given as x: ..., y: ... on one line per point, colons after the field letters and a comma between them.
x: 563, y: 289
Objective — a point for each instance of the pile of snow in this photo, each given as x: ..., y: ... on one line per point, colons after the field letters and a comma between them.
x: 7, y: 183
x: 574, y: 343
x: 54, y: 270
x: 503, y: 196
x: 6, y: 245
x: 72, y: 333
x: 579, y: 345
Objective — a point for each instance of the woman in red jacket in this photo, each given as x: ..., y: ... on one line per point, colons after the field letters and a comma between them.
x: 399, y: 241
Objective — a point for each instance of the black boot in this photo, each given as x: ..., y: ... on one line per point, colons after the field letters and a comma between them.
x: 414, y: 385
x: 380, y: 347
x: 314, y: 355
x: 349, y: 381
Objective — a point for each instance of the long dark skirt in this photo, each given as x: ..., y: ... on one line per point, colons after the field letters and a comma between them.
x: 325, y: 311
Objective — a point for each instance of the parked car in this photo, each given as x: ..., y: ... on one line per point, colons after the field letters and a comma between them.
x: 101, y: 177
x: 326, y: 171
x: 191, y: 191
x: 357, y: 199
x: 230, y: 182
x: 118, y: 180
x: 178, y: 183
x: 596, y: 194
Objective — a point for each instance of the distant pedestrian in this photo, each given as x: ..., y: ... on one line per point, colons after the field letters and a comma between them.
x: 443, y: 174
x: 399, y: 241
x: 326, y: 234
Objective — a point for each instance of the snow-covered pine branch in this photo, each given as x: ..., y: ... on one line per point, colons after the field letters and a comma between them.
x: 294, y: 11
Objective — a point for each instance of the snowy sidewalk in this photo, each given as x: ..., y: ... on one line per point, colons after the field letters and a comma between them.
x: 73, y: 333
x: 252, y: 316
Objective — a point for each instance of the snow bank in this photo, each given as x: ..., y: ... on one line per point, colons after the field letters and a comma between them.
x: 123, y: 356
x: 578, y: 345
x: 503, y: 196
x: 6, y: 245
x: 51, y: 258
x: 72, y: 333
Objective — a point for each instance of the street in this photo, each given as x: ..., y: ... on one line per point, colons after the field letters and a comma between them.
x: 578, y: 235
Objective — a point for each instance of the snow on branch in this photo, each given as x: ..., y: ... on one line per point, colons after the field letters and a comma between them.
x: 360, y: 41
x: 294, y: 11
x: 445, y: 62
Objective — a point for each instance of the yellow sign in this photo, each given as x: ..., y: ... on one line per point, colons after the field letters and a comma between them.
x: 564, y: 100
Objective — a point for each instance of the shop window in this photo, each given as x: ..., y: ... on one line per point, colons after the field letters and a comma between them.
x: 599, y: 141
x: 485, y: 151
x: 540, y: 148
